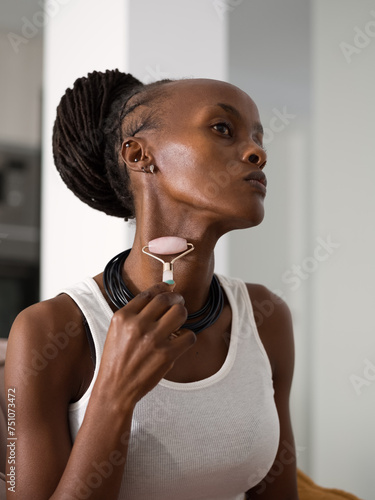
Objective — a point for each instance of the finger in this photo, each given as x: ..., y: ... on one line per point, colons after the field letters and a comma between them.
x: 161, y: 304
x: 180, y: 341
x: 172, y: 320
x: 143, y: 298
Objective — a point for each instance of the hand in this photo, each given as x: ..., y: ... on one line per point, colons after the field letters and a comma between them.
x: 139, y: 349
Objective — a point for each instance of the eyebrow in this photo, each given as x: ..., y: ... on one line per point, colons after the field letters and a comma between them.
x: 231, y: 109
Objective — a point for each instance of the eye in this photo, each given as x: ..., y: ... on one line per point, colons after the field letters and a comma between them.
x: 223, y: 128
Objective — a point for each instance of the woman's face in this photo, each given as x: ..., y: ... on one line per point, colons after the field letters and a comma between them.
x: 209, y: 145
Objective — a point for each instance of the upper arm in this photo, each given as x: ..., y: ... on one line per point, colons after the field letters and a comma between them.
x: 275, y: 328
x: 38, y: 368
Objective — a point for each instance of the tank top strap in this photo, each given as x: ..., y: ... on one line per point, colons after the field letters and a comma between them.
x: 95, y: 309
x: 242, y: 310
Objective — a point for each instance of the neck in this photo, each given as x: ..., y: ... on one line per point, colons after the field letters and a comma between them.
x: 157, y: 217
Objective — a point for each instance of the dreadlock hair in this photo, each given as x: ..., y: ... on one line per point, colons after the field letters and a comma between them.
x: 92, y: 119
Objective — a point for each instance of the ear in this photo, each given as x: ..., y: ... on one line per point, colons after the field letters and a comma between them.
x: 134, y: 154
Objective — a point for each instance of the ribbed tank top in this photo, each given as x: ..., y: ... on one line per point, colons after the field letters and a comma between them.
x: 207, y: 440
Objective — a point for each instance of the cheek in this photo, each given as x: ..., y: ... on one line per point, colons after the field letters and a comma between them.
x: 183, y: 170
x: 175, y: 157
x: 202, y: 176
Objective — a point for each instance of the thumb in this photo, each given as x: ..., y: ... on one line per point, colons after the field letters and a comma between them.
x: 171, y: 284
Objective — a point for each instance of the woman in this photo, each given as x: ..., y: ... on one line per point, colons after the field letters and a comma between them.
x: 135, y: 404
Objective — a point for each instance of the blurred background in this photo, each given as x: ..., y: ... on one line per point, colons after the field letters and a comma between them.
x: 310, y: 67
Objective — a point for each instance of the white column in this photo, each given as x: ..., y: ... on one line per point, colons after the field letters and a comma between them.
x: 77, y: 241
x: 343, y: 302
x: 152, y: 40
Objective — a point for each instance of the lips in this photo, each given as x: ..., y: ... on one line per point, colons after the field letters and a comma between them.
x: 258, y: 176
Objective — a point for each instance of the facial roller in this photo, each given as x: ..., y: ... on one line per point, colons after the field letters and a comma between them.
x: 168, y: 245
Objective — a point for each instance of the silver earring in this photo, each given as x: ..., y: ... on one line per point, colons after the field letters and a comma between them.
x: 135, y: 160
x: 148, y: 170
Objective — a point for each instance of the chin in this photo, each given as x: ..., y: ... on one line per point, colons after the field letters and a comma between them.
x: 255, y: 216
x: 249, y: 220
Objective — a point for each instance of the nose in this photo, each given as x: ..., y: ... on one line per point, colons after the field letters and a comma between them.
x: 256, y: 155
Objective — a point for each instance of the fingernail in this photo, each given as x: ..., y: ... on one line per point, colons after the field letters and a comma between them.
x: 169, y: 282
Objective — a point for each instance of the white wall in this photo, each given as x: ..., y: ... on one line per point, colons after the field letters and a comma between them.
x: 77, y: 241
x: 321, y: 180
x: 344, y: 207
x: 269, y: 57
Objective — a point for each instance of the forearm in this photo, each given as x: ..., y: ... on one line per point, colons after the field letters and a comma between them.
x: 97, y: 460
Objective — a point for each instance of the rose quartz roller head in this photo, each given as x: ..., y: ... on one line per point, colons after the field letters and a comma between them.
x: 168, y: 245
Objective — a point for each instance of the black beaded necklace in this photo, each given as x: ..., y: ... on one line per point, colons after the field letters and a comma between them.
x: 120, y: 295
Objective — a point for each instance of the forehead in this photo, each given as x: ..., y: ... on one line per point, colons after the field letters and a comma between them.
x: 193, y: 94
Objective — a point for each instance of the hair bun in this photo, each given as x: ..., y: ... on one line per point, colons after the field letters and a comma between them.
x: 79, y: 137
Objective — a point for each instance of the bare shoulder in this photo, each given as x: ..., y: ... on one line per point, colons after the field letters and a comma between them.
x: 274, y: 322
x: 45, y: 365
x: 268, y: 307
x: 45, y: 344
x: 48, y: 314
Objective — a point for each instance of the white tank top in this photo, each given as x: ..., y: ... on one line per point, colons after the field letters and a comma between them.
x: 209, y: 440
